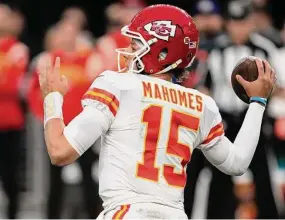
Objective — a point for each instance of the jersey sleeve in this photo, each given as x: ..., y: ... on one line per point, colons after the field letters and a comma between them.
x: 211, y: 128
x: 103, y: 96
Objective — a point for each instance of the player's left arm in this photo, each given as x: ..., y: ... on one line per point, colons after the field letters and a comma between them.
x: 234, y: 158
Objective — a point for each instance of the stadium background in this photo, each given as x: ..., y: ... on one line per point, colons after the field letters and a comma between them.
x: 37, y: 18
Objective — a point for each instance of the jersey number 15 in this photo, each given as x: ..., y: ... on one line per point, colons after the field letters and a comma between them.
x: 147, y: 169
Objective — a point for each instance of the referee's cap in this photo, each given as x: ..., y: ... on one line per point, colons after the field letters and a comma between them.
x: 206, y: 7
x: 238, y: 10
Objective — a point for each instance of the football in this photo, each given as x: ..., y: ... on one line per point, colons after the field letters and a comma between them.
x: 246, y: 67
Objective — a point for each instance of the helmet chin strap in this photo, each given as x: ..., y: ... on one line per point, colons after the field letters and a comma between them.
x: 170, y: 67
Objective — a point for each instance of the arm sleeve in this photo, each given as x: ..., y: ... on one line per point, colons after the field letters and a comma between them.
x: 234, y: 158
x: 85, y: 129
x: 100, y: 105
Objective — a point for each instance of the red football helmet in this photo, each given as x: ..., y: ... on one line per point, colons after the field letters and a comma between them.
x: 168, y: 37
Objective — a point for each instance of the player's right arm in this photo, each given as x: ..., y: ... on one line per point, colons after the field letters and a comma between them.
x: 100, y: 106
x: 234, y: 158
x: 65, y: 143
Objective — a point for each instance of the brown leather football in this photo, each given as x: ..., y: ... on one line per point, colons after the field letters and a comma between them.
x: 247, y: 68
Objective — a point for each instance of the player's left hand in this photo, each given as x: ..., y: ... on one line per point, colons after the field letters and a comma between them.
x: 50, y: 78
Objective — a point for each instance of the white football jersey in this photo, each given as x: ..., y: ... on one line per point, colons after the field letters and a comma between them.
x: 153, y: 128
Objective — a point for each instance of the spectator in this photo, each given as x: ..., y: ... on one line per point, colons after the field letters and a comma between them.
x: 62, y: 41
x: 77, y: 18
x: 118, y: 15
x: 262, y: 19
x: 13, y: 63
x: 207, y: 15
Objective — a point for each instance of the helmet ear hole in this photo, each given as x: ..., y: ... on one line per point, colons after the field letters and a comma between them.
x: 138, y: 65
x: 163, y: 54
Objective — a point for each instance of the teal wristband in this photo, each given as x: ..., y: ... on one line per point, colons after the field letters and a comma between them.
x: 260, y: 100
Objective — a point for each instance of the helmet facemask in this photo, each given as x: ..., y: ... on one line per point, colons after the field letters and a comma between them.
x: 135, y: 65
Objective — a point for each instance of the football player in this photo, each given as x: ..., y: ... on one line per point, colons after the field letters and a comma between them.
x: 148, y: 125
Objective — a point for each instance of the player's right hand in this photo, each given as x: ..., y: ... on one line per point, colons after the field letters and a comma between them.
x: 50, y: 79
x: 265, y: 82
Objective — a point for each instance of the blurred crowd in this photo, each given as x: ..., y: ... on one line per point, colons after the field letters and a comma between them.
x: 245, y: 29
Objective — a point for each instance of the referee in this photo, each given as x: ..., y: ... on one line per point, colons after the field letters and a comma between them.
x: 226, y: 194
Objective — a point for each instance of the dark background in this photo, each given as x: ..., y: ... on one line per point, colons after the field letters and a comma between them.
x: 40, y: 14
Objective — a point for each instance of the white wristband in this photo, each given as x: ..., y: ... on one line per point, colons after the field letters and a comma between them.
x: 53, y: 106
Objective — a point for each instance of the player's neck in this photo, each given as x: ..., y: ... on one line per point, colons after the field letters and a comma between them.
x: 164, y: 76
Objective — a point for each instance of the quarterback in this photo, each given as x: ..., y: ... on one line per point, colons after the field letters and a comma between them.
x: 148, y: 125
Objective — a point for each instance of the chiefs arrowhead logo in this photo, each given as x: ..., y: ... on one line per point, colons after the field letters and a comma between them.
x: 161, y: 29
